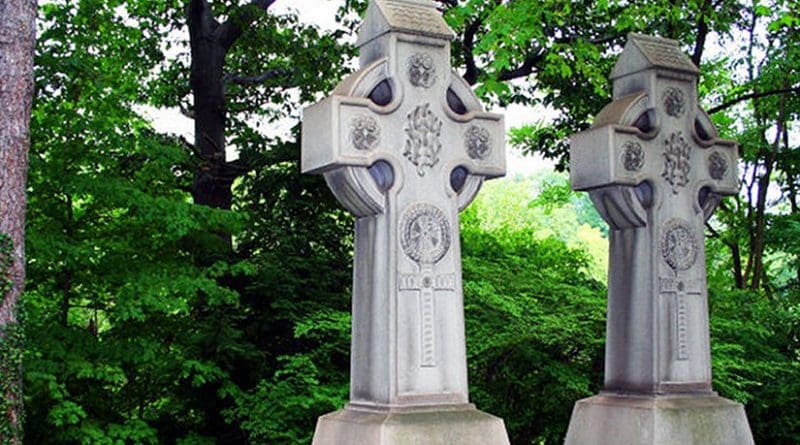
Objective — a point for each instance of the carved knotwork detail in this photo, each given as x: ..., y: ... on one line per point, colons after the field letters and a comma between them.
x: 632, y: 156
x: 677, y: 162
x: 478, y: 142
x: 421, y: 70
x: 678, y: 245
x: 717, y: 165
x: 674, y: 102
x: 365, y: 134
x: 425, y: 233
x: 422, y: 143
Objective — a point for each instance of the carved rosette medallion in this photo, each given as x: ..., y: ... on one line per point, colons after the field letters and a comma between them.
x: 424, y: 233
x: 674, y: 103
x: 678, y: 245
x: 422, y: 138
x: 632, y: 156
x: 478, y: 142
x: 421, y: 70
x: 365, y: 134
x: 717, y: 165
x: 676, y: 161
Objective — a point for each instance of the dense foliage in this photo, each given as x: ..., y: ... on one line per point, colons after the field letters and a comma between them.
x: 154, y: 319
x: 12, y: 342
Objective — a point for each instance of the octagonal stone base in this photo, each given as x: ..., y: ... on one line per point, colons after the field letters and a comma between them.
x: 659, y: 420
x: 462, y: 425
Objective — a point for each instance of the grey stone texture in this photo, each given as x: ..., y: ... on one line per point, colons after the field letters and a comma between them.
x: 614, y: 420
x: 405, y: 145
x: 463, y: 426
x: 655, y: 170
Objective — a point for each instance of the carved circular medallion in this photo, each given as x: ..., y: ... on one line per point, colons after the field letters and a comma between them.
x: 674, y: 102
x: 632, y: 156
x: 477, y: 140
x: 717, y: 165
x: 421, y: 70
x: 678, y: 245
x: 364, y: 133
x: 424, y: 233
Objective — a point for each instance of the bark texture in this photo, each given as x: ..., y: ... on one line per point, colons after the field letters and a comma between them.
x: 17, y: 41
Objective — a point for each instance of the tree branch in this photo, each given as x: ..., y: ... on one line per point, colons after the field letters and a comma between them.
x: 523, y: 70
x: 471, y: 73
x: 201, y: 21
x: 261, y: 78
x: 527, y: 66
x: 229, y: 31
x: 754, y: 95
x: 702, y: 34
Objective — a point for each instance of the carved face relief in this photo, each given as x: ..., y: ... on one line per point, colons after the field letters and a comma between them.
x: 678, y: 245
x: 632, y: 156
x: 421, y: 70
x: 674, y: 103
x: 365, y: 133
x: 676, y: 161
x: 424, y: 233
x: 717, y: 165
x: 477, y: 140
x: 422, y: 143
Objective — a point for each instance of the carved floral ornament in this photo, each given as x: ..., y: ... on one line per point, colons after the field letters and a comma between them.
x: 422, y: 138
x: 365, y: 134
x: 421, y: 70
x: 632, y: 156
x: 677, y: 161
x: 678, y: 245
x: 674, y: 102
x: 717, y: 165
x: 478, y: 142
x: 424, y: 233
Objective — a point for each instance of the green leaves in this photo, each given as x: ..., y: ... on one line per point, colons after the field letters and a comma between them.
x: 535, y: 324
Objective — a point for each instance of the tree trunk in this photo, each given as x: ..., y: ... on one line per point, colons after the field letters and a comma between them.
x: 213, y: 180
x: 17, y: 42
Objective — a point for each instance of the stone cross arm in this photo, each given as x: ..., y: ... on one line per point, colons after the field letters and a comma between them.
x: 355, y: 131
x: 616, y: 151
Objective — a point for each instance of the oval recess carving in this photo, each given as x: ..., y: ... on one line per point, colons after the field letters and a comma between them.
x: 425, y: 233
x: 678, y: 245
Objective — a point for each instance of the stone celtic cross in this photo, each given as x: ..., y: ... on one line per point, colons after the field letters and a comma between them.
x: 405, y: 145
x: 655, y: 171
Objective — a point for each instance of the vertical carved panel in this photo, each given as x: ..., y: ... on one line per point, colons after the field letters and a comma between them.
x: 423, y: 130
x: 677, y: 161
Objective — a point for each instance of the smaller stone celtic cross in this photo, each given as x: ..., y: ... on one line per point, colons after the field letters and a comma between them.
x: 405, y: 145
x: 655, y: 171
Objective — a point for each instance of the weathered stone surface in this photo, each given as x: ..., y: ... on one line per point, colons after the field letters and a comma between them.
x: 660, y: 420
x: 465, y: 426
x: 405, y: 145
x: 655, y: 170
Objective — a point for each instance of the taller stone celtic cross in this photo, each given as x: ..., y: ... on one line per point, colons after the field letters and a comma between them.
x: 655, y: 171
x: 405, y: 145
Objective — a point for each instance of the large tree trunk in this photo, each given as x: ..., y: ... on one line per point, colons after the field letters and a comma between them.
x: 17, y: 41
x: 213, y: 179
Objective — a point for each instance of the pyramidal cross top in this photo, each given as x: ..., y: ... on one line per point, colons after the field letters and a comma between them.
x: 405, y: 145
x: 655, y: 170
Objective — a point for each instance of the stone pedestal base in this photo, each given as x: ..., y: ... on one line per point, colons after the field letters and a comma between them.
x: 659, y: 420
x: 463, y: 425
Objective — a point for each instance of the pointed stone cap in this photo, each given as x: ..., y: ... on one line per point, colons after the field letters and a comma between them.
x: 417, y: 17
x: 646, y: 52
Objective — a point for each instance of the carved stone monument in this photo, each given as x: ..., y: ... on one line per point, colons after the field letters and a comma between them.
x: 405, y: 145
x: 655, y: 170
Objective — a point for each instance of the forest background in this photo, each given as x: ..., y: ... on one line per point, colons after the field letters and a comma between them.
x: 177, y: 296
